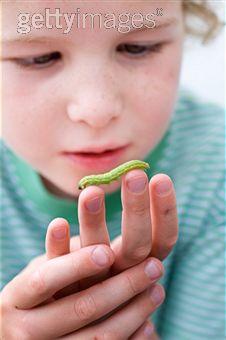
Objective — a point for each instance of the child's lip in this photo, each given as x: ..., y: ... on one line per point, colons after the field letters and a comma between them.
x: 95, y: 150
x: 97, y: 161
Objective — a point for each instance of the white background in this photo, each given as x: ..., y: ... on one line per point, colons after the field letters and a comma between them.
x: 203, y: 70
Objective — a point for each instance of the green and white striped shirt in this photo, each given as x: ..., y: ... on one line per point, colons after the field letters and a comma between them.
x: 192, y: 154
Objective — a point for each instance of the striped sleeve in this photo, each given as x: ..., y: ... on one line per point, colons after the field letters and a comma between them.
x: 194, y: 307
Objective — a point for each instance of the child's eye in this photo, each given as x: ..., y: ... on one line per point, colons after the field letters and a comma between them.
x: 138, y: 50
x: 41, y: 61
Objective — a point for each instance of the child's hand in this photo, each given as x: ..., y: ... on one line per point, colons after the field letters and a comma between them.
x: 149, y: 220
x: 149, y: 224
x: 26, y: 314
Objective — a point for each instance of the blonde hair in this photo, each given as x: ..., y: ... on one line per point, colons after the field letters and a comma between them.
x: 201, y: 10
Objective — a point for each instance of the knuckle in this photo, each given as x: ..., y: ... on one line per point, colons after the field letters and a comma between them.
x: 108, y: 335
x: 37, y: 283
x: 139, y: 208
x: 85, y: 308
x: 171, y: 242
x: 167, y: 248
x: 24, y: 334
x: 17, y: 333
x: 4, y: 305
x: 139, y: 253
x: 27, y: 329
x: 32, y: 262
x: 170, y: 212
x: 98, y: 336
x: 75, y: 263
x: 133, y: 288
x: 37, y: 260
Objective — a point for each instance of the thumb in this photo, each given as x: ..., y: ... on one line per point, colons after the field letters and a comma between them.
x: 57, y: 241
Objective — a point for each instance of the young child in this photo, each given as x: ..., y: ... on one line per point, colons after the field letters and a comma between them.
x: 72, y: 91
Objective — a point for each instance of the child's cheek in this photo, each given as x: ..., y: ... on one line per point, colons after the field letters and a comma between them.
x: 25, y: 113
x: 154, y: 95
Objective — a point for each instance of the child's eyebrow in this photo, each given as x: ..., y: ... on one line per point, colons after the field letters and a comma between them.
x: 161, y: 25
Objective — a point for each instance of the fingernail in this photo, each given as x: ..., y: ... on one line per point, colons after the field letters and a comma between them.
x: 156, y: 295
x: 149, y: 329
x: 100, y: 257
x: 137, y: 184
x: 152, y: 270
x: 163, y: 188
x: 59, y: 233
x: 94, y: 204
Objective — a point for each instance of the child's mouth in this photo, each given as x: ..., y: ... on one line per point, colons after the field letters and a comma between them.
x: 95, y: 154
x: 101, y: 161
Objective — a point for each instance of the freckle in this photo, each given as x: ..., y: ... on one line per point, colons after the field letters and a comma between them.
x: 167, y: 212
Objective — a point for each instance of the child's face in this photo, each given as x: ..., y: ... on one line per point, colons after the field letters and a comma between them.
x: 96, y: 90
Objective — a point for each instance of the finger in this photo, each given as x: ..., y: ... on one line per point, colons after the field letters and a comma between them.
x: 57, y: 244
x: 93, y: 303
x: 130, y: 318
x: 136, y: 220
x: 74, y: 287
x: 116, y: 244
x: 54, y: 250
x: 134, y: 314
x: 145, y: 332
x: 57, y: 238
x: 92, y: 224
x: 91, y: 214
x: 75, y: 243
x: 164, y: 215
x: 29, y: 290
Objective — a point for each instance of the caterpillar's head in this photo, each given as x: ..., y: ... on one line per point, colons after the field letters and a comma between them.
x: 80, y: 186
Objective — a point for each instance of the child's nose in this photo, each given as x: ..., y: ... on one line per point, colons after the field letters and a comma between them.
x: 96, y: 101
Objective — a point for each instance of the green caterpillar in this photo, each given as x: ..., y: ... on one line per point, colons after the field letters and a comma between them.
x: 112, y: 175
